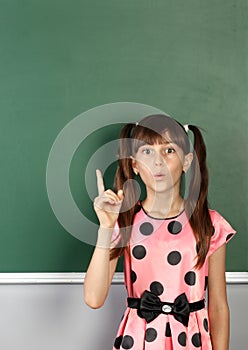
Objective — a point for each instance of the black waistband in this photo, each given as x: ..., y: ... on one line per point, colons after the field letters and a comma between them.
x: 149, y: 306
x: 134, y: 303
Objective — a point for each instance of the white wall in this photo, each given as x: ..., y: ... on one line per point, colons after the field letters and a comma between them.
x: 54, y: 317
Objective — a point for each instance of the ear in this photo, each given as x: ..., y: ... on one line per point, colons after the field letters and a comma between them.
x: 187, y: 161
x: 134, y: 166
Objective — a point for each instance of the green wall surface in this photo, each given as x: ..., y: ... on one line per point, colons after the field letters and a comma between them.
x: 62, y: 58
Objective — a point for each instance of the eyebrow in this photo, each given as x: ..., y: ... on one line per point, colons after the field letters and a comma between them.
x: 152, y: 144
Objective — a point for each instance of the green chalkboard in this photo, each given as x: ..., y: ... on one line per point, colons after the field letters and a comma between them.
x: 60, y: 59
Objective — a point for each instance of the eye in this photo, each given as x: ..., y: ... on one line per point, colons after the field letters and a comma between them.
x: 146, y: 151
x: 169, y: 150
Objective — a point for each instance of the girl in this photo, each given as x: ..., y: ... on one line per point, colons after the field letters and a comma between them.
x: 173, y: 244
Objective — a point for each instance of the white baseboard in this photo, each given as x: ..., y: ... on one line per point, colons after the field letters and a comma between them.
x: 78, y: 278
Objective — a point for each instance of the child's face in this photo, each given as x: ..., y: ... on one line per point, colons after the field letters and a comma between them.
x: 160, y: 166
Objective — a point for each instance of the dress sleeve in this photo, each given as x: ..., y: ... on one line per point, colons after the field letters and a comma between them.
x: 222, y: 232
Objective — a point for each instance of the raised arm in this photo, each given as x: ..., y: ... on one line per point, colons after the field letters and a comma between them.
x: 101, y: 270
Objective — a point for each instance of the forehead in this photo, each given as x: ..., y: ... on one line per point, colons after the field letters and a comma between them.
x: 151, y: 139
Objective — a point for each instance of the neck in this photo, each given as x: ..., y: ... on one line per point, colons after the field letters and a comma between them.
x: 162, y: 205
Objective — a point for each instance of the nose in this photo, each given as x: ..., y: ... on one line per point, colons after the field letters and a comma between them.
x: 158, y: 159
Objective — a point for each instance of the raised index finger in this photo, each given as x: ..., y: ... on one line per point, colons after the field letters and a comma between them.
x: 100, y: 184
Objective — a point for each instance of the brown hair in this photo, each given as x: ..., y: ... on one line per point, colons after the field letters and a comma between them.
x: 150, y: 130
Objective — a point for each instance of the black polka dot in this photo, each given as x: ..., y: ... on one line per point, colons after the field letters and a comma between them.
x: 175, y: 227
x: 118, y: 341
x: 196, y: 340
x: 213, y: 231
x: 127, y: 342
x: 146, y: 228
x: 133, y: 276
x: 229, y: 236
x: 151, y: 334
x: 190, y: 278
x: 174, y: 258
x: 205, y: 324
x: 206, y: 283
x: 168, y: 330
x: 182, y: 339
x: 139, y: 251
x: 156, y: 288
x: 197, y: 248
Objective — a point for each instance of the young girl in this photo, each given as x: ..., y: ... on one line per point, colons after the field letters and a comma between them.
x: 173, y: 244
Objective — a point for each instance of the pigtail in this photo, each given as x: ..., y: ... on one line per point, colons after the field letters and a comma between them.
x: 197, y: 202
x: 122, y: 179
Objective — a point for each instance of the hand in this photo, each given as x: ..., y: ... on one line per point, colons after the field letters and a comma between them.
x: 107, y: 204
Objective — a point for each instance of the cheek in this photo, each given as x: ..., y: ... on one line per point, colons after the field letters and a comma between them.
x: 177, y: 174
x: 175, y: 167
x: 145, y: 171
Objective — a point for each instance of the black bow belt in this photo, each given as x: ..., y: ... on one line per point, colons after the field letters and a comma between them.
x: 150, y: 306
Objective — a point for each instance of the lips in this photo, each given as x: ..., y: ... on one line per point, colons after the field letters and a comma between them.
x: 159, y: 175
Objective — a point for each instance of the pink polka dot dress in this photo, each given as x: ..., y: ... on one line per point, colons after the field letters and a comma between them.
x: 162, y: 259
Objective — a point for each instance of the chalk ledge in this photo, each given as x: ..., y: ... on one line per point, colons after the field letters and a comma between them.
x: 78, y: 278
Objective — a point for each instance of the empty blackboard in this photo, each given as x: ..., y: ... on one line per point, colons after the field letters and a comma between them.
x: 60, y: 59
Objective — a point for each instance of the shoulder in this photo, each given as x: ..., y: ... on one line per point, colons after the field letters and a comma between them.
x: 215, y: 215
x: 219, y: 220
x: 222, y: 230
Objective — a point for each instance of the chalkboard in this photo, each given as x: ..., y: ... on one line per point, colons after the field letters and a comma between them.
x: 60, y: 59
